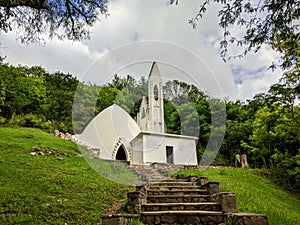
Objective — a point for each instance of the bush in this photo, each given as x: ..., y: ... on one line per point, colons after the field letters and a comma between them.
x: 30, y: 120
x: 2, y: 121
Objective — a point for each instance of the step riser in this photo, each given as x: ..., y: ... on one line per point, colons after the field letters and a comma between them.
x: 178, y: 199
x: 177, y: 180
x: 177, y: 192
x: 205, y: 207
x: 182, y: 219
x: 170, y: 188
x: 184, y: 184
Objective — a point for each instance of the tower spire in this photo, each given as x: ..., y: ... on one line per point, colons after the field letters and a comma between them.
x: 151, y: 115
x: 156, y: 102
x: 154, y: 72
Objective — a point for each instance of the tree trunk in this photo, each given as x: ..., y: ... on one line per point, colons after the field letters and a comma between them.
x: 241, y: 161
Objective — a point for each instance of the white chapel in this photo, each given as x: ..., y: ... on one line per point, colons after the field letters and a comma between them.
x: 117, y: 136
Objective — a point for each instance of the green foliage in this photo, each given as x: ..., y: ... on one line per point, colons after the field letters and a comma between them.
x: 275, y: 141
x: 137, y: 222
x: 43, y: 100
x: 130, y: 93
x: 33, y: 19
x: 56, y: 188
x: 21, y: 93
x: 85, y: 106
x: 30, y: 120
x: 255, y: 194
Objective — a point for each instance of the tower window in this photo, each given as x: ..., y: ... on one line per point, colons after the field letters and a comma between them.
x: 155, y: 92
x: 143, y: 113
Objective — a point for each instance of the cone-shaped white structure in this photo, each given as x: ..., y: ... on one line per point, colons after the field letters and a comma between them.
x: 109, y: 130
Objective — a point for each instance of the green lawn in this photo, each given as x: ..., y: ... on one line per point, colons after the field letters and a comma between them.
x: 255, y: 194
x: 58, y: 187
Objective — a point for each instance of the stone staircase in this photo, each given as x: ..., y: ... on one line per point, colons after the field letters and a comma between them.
x: 149, y: 174
x: 179, y: 201
x: 153, y: 173
x: 183, y: 201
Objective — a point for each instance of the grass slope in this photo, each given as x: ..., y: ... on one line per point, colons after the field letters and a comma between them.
x: 61, y: 187
x: 58, y: 187
x: 255, y: 194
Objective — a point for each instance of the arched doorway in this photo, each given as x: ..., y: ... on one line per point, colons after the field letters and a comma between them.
x: 121, y: 154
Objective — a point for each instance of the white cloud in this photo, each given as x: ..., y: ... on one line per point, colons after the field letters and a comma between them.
x: 133, y: 21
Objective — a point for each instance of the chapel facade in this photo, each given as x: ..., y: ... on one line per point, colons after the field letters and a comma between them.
x: 117, y: 136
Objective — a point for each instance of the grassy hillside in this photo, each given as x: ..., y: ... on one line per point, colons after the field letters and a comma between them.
x: 58, y: 187
x: 255, y: 194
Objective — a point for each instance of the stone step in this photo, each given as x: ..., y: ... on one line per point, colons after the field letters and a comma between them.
x: 156, y: 179
x: 165, y: 187
x: 149, y: 174
x: 182, y: 191
x: 178, y: 199
x: 146, y: 173
x: 174, y: 183
x: 162, y: 178
x: 183, y: 217
x: 203, y: 206
x: 177, y: 180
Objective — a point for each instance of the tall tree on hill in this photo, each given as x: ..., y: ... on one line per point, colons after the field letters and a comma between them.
x: 32, y: 19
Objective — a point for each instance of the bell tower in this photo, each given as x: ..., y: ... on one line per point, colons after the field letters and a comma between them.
x: 156, y: 122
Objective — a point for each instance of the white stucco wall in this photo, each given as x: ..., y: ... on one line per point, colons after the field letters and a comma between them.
x: 136, y: 148
x: 154, y: 148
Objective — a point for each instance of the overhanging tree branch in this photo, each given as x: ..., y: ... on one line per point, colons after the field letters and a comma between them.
x: 71, y: 19
x: 35, y: 4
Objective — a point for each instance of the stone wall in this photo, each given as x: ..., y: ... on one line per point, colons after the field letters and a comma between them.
x: 246, y: 219
x: 118, y: 219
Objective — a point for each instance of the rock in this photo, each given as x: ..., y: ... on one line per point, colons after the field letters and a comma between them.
x: 68, y: 136
x: 204, y: 180
x: 36, y: 149
x: 61, y: 135
x: 56, y: 133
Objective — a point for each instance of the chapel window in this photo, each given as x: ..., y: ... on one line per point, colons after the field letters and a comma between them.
x: 155, y: 92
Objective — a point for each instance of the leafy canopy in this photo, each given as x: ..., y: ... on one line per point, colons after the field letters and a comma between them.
x: 31, y: 19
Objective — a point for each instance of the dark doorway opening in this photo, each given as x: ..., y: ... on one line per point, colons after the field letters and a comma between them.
x: 170, y: 154
x: 121, y: 155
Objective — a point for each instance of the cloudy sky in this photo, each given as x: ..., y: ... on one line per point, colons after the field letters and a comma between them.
x: 138, y: 32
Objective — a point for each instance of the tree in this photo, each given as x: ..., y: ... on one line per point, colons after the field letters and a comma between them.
x: 275, y: 143
x: 31, y: 19
x: 21, y: 93
x: 181, y: 92
x: 271, y: 22
x: 61, y: 89
x: 131, y: 93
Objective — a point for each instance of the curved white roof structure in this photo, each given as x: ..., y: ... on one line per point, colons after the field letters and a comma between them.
x: 109, y: 130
